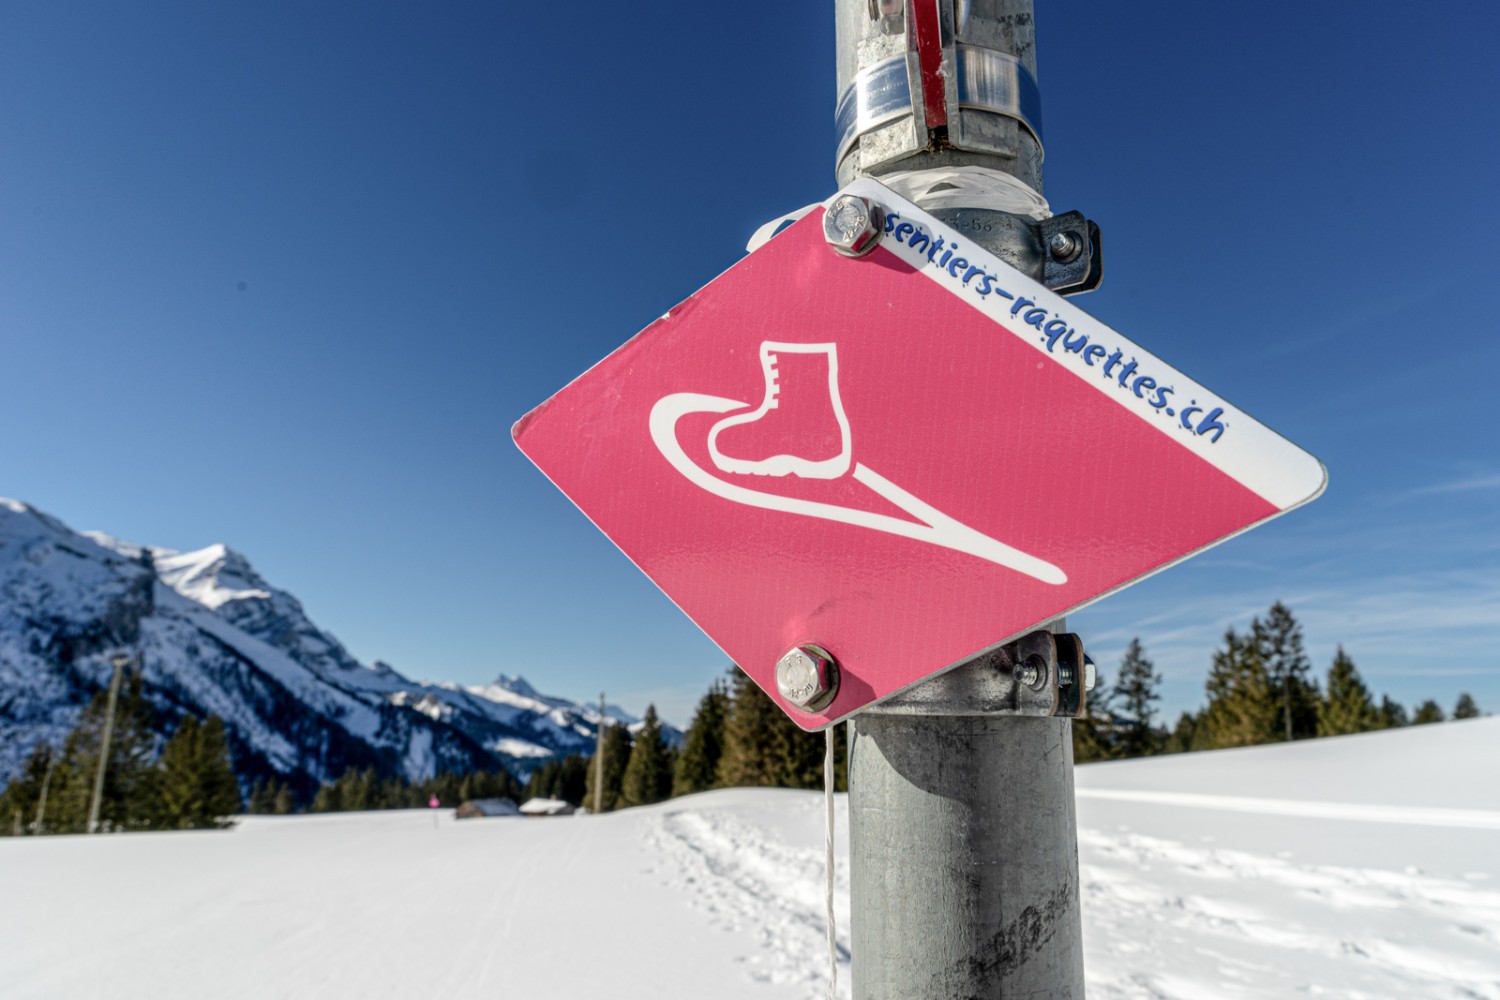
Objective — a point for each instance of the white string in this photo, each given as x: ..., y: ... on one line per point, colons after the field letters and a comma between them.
x: 968, y: 187
x: 833, y: 946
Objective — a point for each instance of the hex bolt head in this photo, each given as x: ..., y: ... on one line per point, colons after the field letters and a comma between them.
x: 1090, y: 673
x: 1063, y: 246
x: 808, y: 677
x: 852, y: 225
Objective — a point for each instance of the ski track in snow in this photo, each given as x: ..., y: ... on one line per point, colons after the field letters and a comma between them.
x: 1162, y: 920
x: 719, y: 894
x: 1167, y: 921
x: 766, y: 893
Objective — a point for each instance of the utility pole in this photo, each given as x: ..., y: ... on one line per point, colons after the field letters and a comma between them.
x: 120, y: 660
x: 599, y: 761
x: 963, y: 836
x: 41, y: 805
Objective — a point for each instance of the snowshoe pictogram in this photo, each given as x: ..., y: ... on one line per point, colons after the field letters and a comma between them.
x: 800, y: 427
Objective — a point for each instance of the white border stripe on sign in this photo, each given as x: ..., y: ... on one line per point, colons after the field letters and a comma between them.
x: 1248, y: 451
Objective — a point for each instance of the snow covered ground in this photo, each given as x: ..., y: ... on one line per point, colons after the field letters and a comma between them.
x: 1366, y: 866
x: 1362, y: 866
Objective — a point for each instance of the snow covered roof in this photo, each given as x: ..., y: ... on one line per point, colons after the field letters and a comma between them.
x: 547, y: 807
x: 475, y: 808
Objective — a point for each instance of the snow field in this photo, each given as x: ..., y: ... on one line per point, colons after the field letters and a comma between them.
x: 1343, y: 883
x: 763, y: 886
x: 1162, y: 919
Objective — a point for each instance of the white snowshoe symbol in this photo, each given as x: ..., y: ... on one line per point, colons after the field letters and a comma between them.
x: 800, y: 428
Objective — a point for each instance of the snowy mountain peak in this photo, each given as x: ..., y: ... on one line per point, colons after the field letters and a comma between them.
x: 517, y: 684
x: 212, y: 636
x: 211, y: 576
x: 22, y: 524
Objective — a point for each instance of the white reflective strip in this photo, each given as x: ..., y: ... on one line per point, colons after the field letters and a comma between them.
x: 1247, y: 450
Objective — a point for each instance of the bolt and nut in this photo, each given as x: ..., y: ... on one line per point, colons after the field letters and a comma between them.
x: 808, y: 677
x: 1032, y: 672
x: 852, y: 225
x: 1064, y: 246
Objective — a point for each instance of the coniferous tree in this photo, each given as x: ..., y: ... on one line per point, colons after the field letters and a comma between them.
x: 648, y: 773
x: 262, y: 795
x: 1094, y: 731
x: 483, y: 785
x: 1347, y: 708
x: 762, y: 747
x: 1242, y: 709
x: 564, y: 779
x: 753, y: 741
x: 765, y: 748
x: 269, y: 796
x: 365, y: 789
x: 1136, y: 692
x: 616, y: 756
x: 359, y: 789
x: 129, y: 799
x: 572, y: 779
x: 1465, y: 709
x: 544, y: 780
x: 1428, y: 711
x: 329, y: 798
x: 196, y: 788
x: 1391, y: 714
x: 1278, y: 641
x: 25, y: 800
x: 1183, y: 736
x: 698, y: 764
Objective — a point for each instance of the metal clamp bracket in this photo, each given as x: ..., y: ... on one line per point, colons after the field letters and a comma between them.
x: 1074, y: 253
x: 1065, y: 252
x: 1042, y: 674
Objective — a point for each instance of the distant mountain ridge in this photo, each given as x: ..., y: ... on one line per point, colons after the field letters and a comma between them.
x: 214, y: 637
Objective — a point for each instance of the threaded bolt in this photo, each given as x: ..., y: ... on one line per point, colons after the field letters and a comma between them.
x: 1031, y: 672
x: 1064, y: 246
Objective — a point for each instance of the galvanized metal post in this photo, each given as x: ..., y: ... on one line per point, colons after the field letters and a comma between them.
x: 963, y: 836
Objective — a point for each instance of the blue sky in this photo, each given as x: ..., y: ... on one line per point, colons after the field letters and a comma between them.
x: 282, y: 276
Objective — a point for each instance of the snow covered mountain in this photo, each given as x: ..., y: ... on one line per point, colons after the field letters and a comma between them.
x: 214, y: 637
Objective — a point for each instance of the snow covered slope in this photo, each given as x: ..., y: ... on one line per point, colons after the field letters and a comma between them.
x: 1359, y: 866
x: 215, y: 637
x: 721, y: 894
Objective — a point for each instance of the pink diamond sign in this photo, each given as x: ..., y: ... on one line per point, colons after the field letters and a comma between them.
x: 907, y: 458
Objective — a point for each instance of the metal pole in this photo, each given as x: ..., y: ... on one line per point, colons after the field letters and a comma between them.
x: 41, y: 806
x: 963, y: 855
x: 109, y: 732
x: 599, y: 761
x: 963, y: 836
